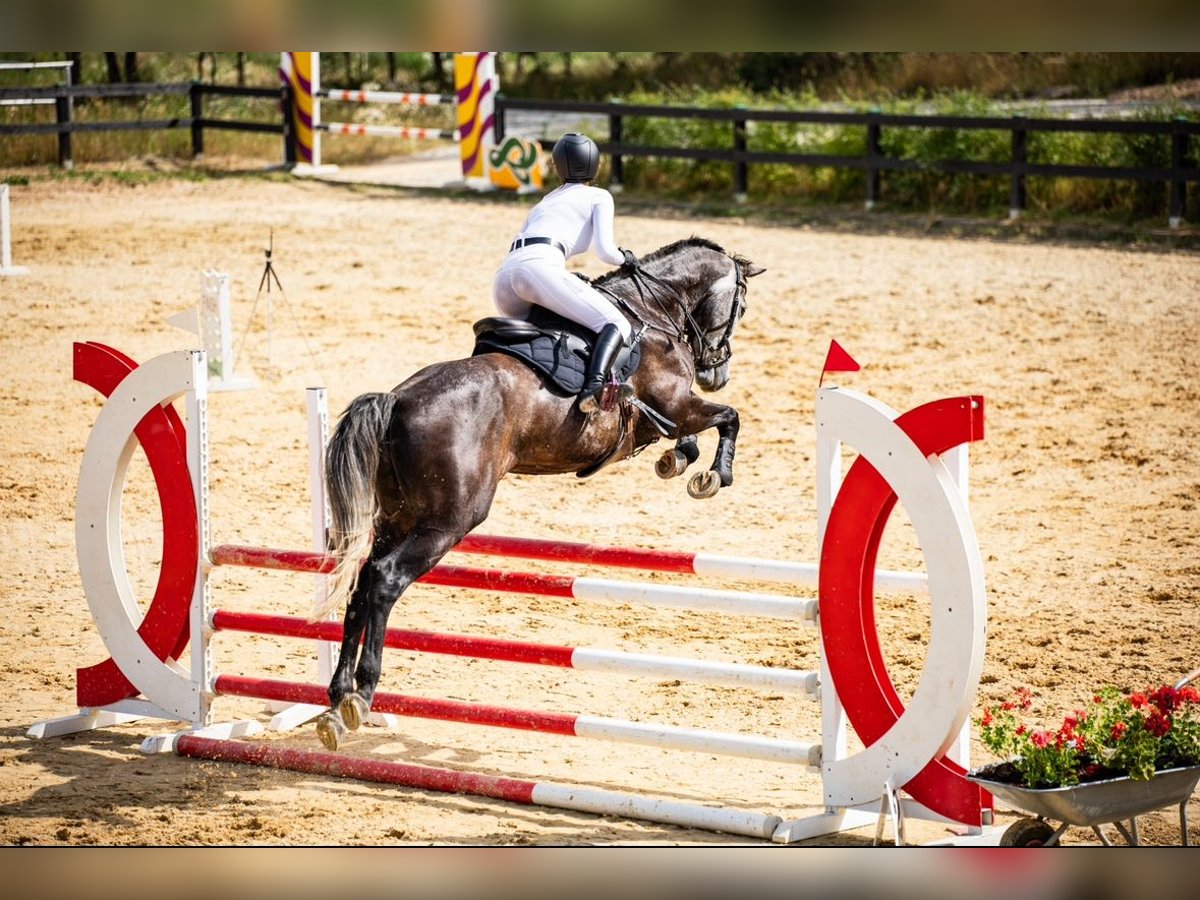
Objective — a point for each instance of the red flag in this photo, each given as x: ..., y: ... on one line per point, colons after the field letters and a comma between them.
x: 837, y: 360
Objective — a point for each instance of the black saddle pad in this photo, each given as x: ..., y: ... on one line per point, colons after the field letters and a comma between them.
x: 556, y: 348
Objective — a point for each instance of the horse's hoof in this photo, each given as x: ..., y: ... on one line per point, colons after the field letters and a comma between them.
x: 330, y: 729
x: 704, y: 484
x: 354, y: 710
x: 671, y: 464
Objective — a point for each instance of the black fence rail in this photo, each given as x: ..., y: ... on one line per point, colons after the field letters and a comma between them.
x: 66, y: 124
x: 875, y: 162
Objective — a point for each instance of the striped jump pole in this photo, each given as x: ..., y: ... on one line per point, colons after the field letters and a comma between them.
x: 393, y: 131
x: 400, y: 98
x: 511, y: 790
x: 572, y: 725
x: 581, y: 658
x: 570, y: 586
x: 715, y: 565
x: 730, y: 568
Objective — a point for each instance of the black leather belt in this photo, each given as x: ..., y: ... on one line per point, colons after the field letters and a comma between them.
x: 525, y: 242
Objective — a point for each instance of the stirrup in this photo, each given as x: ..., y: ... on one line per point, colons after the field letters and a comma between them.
x: 605, y: 399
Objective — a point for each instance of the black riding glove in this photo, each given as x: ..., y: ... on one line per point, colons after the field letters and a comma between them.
x: 631, y: 261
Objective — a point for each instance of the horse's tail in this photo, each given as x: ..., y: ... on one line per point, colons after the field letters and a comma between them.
x: 351, y: 463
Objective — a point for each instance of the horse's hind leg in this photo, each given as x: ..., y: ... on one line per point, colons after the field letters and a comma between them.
x: 391, y: 574
x: 331, y: 725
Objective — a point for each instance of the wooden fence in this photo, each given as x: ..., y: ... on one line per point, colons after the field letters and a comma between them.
x: 874, y: 162
x: 65, y: 124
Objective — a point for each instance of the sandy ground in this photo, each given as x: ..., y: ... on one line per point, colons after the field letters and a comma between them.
x: 1084, y: 496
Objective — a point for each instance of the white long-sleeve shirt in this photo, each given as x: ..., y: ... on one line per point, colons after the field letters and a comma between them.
x: 579, y: 216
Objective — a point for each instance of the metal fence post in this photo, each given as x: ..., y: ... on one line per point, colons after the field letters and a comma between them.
x: 197, y: 99
x: 741, y: 177
x: 615, y: 136
x: 1020, y: 156
x: 1179, y: 146
x: 874, y: 152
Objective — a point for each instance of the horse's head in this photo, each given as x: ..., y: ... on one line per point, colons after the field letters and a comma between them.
x: 693, y: 291
x: 716, y: 316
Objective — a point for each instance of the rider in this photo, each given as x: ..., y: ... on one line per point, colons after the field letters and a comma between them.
x: 564, y: 223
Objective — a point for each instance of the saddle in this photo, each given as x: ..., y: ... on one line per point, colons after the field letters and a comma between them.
x: 556, y: 348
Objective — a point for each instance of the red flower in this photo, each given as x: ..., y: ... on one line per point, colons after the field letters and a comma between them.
x: 1040, y: 739
x: 1165, y: 698
x: 987, y: 717
x: 1157, y: 723
x: 1118, y: 730
x: 1138, y: 700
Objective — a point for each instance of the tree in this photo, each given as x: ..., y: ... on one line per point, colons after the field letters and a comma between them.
x: 115, y: 76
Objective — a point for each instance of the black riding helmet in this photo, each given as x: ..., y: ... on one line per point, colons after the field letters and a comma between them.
x: 576, y: 157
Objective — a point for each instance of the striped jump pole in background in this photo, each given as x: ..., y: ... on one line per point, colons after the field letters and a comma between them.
x: 399, y: 98
x: 515, y: 163
x: 395, y: 131
x: 906, y: 747
x: 476, y: 85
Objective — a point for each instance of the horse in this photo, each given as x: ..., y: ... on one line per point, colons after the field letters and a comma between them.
x: 410, y: 472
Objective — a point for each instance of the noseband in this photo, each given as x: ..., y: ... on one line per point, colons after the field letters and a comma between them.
x: 707, y: 353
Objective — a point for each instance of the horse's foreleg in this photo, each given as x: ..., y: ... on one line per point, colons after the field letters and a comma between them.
x: 706, y: 484
x: 674, y: 462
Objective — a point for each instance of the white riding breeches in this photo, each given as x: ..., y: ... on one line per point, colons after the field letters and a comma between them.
x: 536, y: 276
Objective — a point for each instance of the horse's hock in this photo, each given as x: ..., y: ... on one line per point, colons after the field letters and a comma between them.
x: 912, y: 757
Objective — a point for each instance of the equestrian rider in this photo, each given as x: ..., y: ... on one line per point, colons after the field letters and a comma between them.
x: 566, y: 222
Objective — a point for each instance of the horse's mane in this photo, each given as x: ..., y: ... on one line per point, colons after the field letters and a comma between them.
x: 669, y: 250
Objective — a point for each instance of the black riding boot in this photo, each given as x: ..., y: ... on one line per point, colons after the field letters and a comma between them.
x: 604, y: 354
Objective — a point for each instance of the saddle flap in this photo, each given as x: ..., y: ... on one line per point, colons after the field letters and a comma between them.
x: 555, y: 347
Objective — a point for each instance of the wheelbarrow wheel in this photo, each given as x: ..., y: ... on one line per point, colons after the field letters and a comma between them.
x: 1027, y: 833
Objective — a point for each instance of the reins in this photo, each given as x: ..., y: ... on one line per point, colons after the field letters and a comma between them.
x: 706, y: 355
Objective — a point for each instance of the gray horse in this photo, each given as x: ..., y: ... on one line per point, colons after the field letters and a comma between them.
x: 411, y: 472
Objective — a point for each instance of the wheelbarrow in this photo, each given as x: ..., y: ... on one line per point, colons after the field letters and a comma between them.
x: 1112, y: 801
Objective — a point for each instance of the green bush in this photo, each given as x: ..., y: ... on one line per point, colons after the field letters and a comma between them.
x: 770, y: 82
x: 924, y: 188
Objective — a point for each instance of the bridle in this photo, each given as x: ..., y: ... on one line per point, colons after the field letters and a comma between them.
x: 706, y: 352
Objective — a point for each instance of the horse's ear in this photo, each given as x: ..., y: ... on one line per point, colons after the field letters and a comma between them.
x: 751, y: 270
